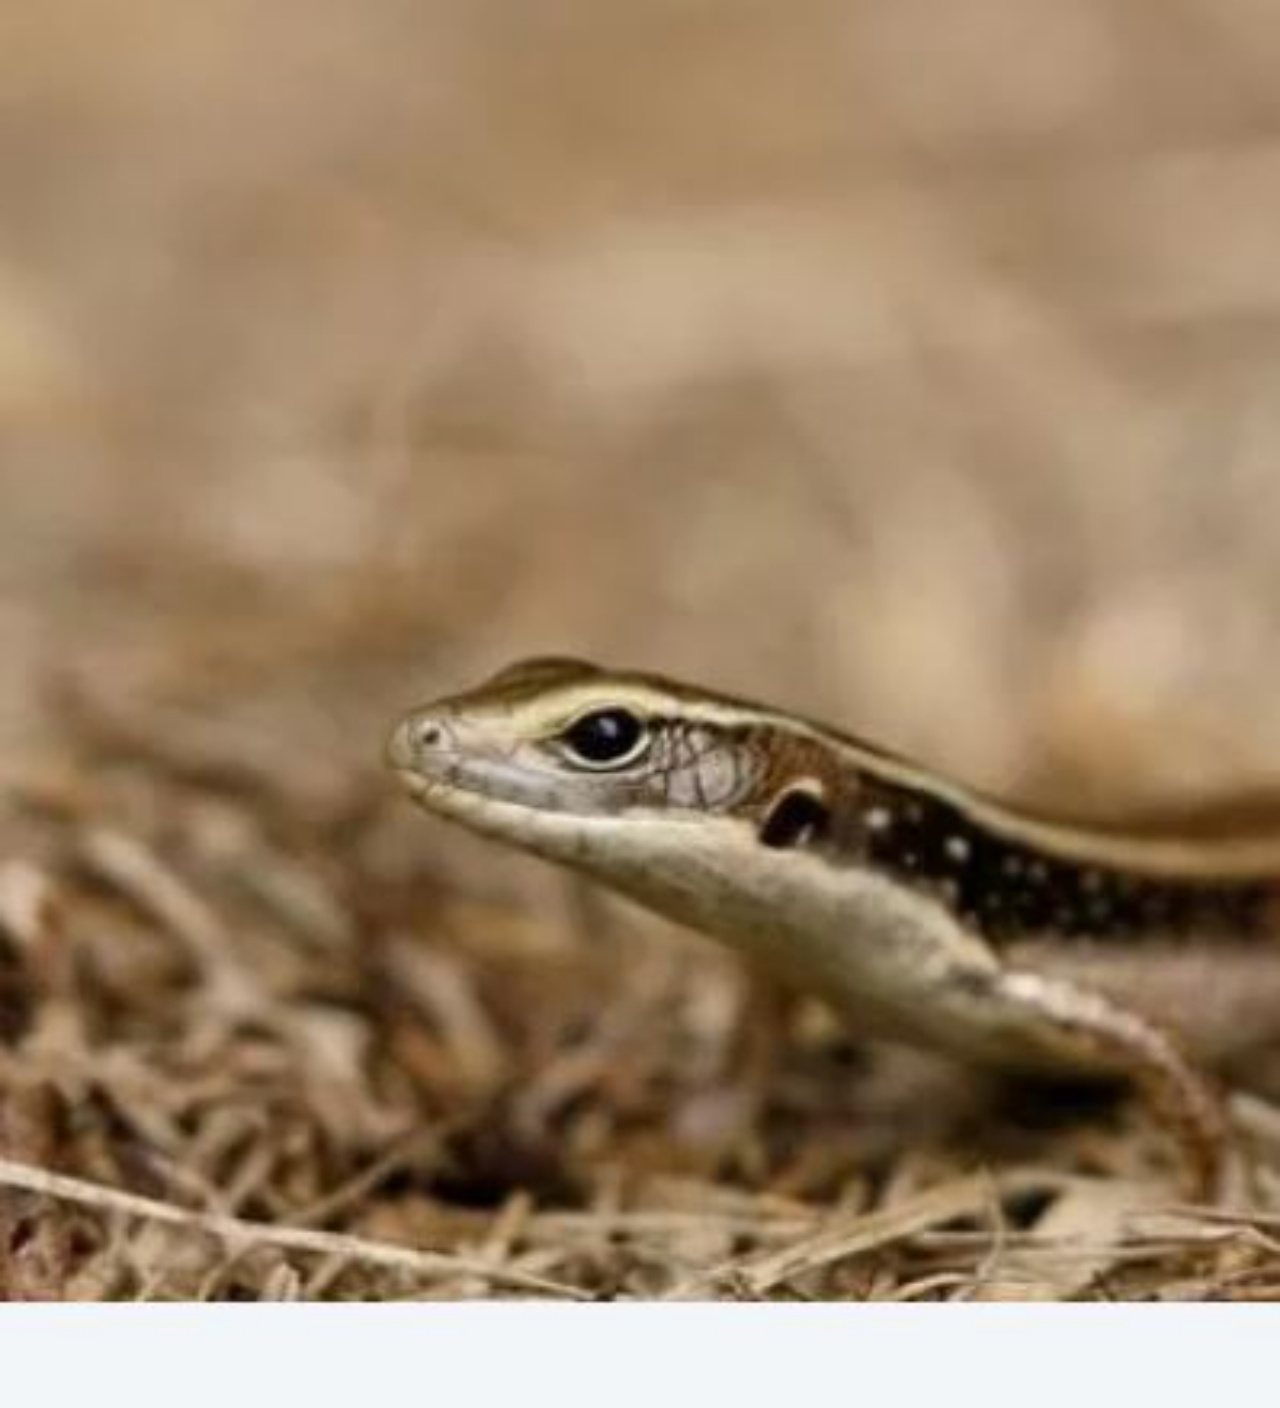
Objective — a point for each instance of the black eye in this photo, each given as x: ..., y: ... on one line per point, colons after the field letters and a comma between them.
x: 604, y: 736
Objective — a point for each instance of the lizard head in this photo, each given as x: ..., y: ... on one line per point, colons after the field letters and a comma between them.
x: 565, y: 758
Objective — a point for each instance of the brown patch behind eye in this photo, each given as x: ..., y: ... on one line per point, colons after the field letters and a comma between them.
x: 799, y: 817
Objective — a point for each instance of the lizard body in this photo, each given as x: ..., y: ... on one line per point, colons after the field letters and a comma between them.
x: 922, y: 910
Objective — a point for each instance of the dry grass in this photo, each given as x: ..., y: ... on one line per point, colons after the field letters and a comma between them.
x: 347, y: 351
x: 252, y: 1050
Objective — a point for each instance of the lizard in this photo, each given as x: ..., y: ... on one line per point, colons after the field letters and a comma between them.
x: 923, y: 910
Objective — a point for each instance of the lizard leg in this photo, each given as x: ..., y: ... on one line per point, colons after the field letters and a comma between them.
x: 1051, y: 1019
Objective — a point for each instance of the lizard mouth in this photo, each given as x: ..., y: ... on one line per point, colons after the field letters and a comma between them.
x: 455, y: 785
x: 498, y: 813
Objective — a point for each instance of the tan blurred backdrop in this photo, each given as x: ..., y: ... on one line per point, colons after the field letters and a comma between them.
x: 913, y: 363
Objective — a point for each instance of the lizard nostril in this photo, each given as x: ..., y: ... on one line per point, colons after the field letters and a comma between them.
x: 411, y: 741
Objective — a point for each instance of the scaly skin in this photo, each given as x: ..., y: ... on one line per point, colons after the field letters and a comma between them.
x: 922, y: 910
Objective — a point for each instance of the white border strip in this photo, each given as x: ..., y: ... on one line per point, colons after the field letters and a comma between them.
x: 641, y: 1355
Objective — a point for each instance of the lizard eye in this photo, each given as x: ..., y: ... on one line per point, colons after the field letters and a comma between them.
x: 605, y: 738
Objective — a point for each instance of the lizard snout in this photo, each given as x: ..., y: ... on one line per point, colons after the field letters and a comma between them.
x: 415, y: 739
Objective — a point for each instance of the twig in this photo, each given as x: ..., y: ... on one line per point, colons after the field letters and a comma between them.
x: 759, y: 1274
x: 868, y: 1231
x: 985, y: 1272
x: 237, y: 1232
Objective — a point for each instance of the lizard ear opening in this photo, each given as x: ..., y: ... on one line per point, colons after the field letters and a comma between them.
x: 799, y: 817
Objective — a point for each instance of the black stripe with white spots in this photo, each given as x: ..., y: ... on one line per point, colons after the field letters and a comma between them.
x: 1007, y: 890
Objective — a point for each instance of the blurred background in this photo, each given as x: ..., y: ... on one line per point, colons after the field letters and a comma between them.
x: 912, y: 364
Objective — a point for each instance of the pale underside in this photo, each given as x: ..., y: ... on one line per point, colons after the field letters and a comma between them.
x: 895, y: 963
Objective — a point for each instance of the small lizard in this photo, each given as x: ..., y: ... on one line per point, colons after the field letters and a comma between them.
x: 921, y: 909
